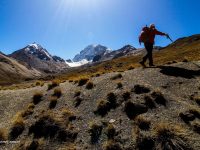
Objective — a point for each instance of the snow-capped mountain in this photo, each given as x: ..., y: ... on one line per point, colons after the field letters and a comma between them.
x: 90, y: 52
x: 124, y: 51
x: 34, y: 55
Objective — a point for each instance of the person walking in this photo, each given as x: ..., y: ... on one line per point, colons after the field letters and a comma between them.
x: 147, y: 37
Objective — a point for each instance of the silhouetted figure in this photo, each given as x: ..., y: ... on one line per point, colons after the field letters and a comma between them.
x: 147, y: 37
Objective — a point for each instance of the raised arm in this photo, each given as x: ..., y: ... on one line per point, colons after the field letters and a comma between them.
x: 159, y: 33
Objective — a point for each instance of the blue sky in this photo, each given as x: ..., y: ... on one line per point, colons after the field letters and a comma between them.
x: 64, y: 27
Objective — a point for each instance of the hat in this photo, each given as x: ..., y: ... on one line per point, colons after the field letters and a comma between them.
x: 152, y: 25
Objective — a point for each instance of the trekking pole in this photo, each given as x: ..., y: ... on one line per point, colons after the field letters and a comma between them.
x: 169, y: 38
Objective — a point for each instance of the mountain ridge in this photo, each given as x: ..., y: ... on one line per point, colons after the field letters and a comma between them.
x: 34, y: 55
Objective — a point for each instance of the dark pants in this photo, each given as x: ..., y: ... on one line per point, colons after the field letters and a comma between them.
x: 149, y: 49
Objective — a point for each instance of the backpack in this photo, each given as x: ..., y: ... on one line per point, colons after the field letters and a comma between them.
x: 144, y: 35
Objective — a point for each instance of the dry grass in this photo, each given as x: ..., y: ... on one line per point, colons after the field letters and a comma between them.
x: 145, y: 143
x: 117, y: 76
x: 143, y: 123
x: 17, y: 128
x: 39, y: 83
x: 140, y: 89
x: 70, y: 115
x: 77, y: 101
x: 53, y: 101
x: 170, y: 137
x: 3, y: 135
x: 119, y: 85
x: 159, y: 98
x: 82, y: 81
x: 110, y: 131
x: 133, y: 110
x: 149, y: 102
x: 126, y: 95
x: 111, y: 145
x: 77, y: 93
x: 102, y: 108
x: 34, y: 144
x: 112, y: 99
x: 95, y: 130
x: 28, y: 111
x: 89, y: 85
x: 57, y: 93
x: 37, y: 97
x: 53, y: 84
x: 197, y: 100
x: 54, y: 127
x: 31, y: 106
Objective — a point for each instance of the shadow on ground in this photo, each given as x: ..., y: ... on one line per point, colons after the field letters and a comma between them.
x: 179, y: 72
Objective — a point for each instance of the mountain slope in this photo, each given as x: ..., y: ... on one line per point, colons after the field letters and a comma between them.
x: 185, y: 49
x: 153, y: 105
x: 12, y: 71
x: 124, y: 51
x: 90, y: 52
x: 37, y: 57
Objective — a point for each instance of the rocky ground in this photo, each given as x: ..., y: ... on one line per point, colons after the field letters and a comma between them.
x: 151, y: 108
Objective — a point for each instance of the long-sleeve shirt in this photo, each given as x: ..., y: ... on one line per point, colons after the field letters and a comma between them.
x: 153, y: 33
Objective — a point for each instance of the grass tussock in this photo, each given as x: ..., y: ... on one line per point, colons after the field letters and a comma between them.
x: 111, y: 145
x: 53, y: 101
x: 112, y: 99
x: 118, y: 76
x: 159, y: 98
x: 89, y: 85
x: 53, y: 84
x: 145, y: 143
x: 57, y: 93
x: 140, y: 89
x: 17, y: 128
x: 131, y: 68
x: 51, y: 127
x: 187, y: 116
x: 39, y: 83
x: 132, y: 110
x: 126, y: 95
x: 196, y: 127
x: 95, y: 131
x: 37, y: 97
x: 195, y: 112
x: 68, y: 114
x: 149, y: 102
x: 77, y: 101
x: 31, y: 106
x: 102, y: 108
x: 77, y: 93
x: 82, y: 81
x: 168, y: 137
x: 28, y: 111
x: 3, y: 135
x: 119, y: 85
x: 110, y: 131
x: 197, y: 100
x: 143, y: 123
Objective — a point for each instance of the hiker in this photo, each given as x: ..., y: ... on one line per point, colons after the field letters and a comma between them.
x: 147, y: 37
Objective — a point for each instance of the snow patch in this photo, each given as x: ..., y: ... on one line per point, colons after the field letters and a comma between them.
x: 77, y: 64
x: 34, y: 45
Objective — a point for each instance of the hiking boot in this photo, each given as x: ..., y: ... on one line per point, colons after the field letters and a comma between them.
x: 151, y: 65
x: 143, y: 64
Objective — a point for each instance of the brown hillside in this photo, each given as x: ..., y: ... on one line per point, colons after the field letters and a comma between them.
x: 13, y: 72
